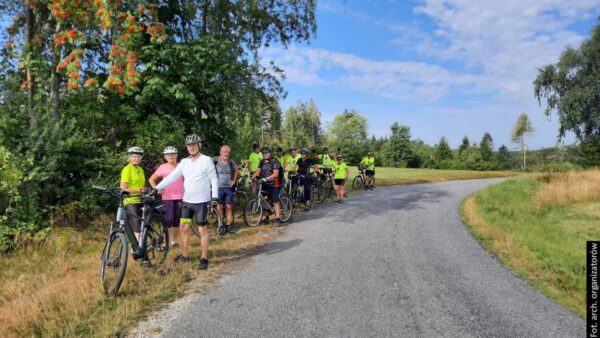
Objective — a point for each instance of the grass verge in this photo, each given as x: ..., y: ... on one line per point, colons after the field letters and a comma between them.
x: 540, y: 237
x: 52, y: 289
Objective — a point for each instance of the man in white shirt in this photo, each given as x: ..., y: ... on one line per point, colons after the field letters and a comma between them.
x: 199, y: 180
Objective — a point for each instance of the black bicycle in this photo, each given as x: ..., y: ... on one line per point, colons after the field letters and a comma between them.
x: 152, y: 246
x: 324, y: 187
x: 240, y: 196
x: 255, y: 209
x: 214, y: 220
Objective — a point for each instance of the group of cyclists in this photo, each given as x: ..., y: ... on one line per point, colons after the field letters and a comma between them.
x: 188, y: 187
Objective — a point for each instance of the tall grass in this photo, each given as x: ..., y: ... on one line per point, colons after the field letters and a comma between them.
x: 570, y: 187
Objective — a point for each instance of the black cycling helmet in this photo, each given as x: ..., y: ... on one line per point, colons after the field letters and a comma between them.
x: 304, y: 151
x: 193, y: 138
x: 266, y: 150
x: 292, y: 148
x: 325, y: 149
x: 279, y: 149
x: 255, y: 146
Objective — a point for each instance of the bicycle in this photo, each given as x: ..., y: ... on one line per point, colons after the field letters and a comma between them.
x: 240, y: 197
x: 359, y: 181
x: 214, y: 221
x: 153, y: 239
x: 255, y: 208
x: 325, y: 186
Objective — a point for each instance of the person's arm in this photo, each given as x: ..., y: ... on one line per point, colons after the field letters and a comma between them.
x: 173, y: 176
x: 273, y: 176
x: 256, y: 173
x: 124, y: 184
x: 236, y: 171
x: 154, y: 179
x: 214, y: 181
x: 347, y: 174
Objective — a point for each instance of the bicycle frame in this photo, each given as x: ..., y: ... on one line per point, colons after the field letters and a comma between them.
x: 122, y: 223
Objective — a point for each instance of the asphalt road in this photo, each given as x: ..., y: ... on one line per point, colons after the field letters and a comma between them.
x: 395, y: 262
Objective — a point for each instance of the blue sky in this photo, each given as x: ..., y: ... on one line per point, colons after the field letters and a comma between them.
x: 442, y: 67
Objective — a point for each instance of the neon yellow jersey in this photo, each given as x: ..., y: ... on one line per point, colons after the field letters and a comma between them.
x: 340, y: 170
x: 254, y: 160
x: 136, y: 179
x: 290, y: 163
x: 325, y: 160
x: 281, y: 160
x: 368, y: 162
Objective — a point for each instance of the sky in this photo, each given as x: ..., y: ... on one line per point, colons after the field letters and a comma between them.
x: 442, y: 67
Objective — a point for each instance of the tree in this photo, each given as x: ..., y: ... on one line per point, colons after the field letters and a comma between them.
x: 348, y: 133
x: 443, y: 153
x: 90, y: 78
x: 570, y: 87
x: 302, y: 125
x: 503, y: 157
x: 464, y: 145
x: 522, y: 128
x: 397, y: 151
x: 486, y: 147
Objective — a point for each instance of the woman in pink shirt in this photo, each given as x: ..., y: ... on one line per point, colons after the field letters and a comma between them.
x: 173, y: 194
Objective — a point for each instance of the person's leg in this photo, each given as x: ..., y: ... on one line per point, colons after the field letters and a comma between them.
x: 134, y: 215
x: 229, y: 214
x: 187, y: 213
x: 174, y: 235
x: 307, y: 188
x: 184, y: 236
x: 276, y: 205
x: 342, y: 190
x: 202, y: 220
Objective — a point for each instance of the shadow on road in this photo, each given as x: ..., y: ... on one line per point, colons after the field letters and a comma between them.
x: 268, y: 249
x: 364, y: 204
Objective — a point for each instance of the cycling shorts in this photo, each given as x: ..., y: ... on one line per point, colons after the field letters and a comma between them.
x: 199, y: 210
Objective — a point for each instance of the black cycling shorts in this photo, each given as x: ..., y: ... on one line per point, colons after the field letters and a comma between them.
x: 199, y: 210
x: 339, y: 181
x: 271, y: 192
x: 370, y: 172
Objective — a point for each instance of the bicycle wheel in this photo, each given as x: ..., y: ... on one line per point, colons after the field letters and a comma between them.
x: 113, y: 263
x: 157, y: 242
x: 215, y: 222
x: 326, y: 190
x: 253, y: 213
x: 316, y: 193
x: 240, y: 199
x: 287, y: 209
x: 357, y: 182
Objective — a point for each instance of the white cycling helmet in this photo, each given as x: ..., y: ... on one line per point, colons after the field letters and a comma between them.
x: 170, y: 150
x: 135, y: 150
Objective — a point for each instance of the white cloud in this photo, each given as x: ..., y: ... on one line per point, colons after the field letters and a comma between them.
x: 390, y: 79
x: 509, y: 40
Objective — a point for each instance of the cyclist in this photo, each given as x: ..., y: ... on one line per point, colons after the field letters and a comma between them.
x: 172, y: 197
x: 341, y: 175
x: 132, y: 181
x: 280, y: 156
x: 269, y: 170
x: 199, y: 181
x: 324, y: 158
x: 227, y: 172
x: 303, y: 167
x: 253, y: 161
x: 290, y: 164
x: 369, y: 163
